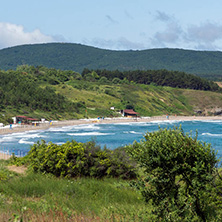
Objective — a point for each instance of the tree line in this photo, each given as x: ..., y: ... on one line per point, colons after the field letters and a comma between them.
x: 20, y: 89
x: 158, y: 77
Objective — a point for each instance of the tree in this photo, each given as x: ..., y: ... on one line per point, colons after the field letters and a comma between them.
x: 116, y: 80
x: 179, y: 175
x: 129, y: 106
x: 95, y: 75
x: 104, y: 80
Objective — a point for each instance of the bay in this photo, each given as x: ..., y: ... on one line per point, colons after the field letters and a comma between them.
x: 111, y: 135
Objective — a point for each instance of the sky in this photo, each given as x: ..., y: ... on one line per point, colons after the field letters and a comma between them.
x: 113, y: 24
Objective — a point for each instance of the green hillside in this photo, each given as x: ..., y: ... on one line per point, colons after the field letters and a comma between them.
x: 76, y: 57
x: 55, y: 94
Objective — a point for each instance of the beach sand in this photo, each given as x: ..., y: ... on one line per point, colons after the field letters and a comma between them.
x: 44, y: 126
x: 4, y: 156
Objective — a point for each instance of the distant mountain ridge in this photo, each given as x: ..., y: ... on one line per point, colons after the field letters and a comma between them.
x: 76, y: 57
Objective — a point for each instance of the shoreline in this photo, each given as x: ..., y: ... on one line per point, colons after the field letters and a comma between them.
x: 55, y: 124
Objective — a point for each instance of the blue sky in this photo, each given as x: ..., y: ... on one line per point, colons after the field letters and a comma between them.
x: 113, y: 24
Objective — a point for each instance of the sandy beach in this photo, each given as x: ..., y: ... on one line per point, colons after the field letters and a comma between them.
x: 44, y: 126
x: 4, y: 156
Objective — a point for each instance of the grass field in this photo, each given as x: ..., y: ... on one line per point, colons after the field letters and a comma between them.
x: 148, y: 100
x: 94, y: 99
x: 36, y: 197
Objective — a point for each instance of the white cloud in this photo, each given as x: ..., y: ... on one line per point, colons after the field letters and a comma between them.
x: 206, y: 36
x: 207, y: 32
x: 12, y: 35
x: 171, y: 33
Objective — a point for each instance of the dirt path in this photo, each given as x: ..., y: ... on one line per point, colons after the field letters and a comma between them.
x: 17, y: 169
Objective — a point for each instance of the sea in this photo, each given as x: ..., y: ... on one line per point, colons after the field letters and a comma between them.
x: 111, y: 135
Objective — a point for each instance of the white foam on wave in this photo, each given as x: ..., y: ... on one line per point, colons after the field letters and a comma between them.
x: 209, y: 121
x: 134, y: 123
x: 55, y: 129
x: 33, y: 136
x: 128, y: 124
x: 211, y: 134
x: 165, y: 121
x: 87, y: 127
x: 61, y: 129
x: 7, y: 139
x: 24, y: 141
x: 90, y: 134
x: 132, y: 132
x: 126, y: 132
x: 34, y: 133
x: 18, y: 134
x: 20, y: 137
x: 74, y: 128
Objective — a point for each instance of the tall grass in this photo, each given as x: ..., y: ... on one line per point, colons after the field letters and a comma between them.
x: 36, y: 194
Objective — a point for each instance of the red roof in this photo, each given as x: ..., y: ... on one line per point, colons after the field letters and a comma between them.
x: 26, y: 117
x: 130, y: 111
x: 31, y: 119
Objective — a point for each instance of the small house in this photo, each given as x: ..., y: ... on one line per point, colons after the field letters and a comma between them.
x: 25, y: 120
x: 129, y: 113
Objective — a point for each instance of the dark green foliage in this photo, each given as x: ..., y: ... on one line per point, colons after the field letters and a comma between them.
x: 129, y: 106
x: 77, y: 57
x: 161, y: 78
x: 179, y: 175
x: 103, y: 80
x: 74, y: 159
x: 22, y: 88
x: 116, y: 81
x: 5, y: 119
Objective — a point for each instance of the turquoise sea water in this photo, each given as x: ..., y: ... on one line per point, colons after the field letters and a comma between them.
x: 111, y: 135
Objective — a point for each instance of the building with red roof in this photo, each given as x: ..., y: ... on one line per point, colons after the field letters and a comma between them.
x: 25, y: 119
x: 129, y: 113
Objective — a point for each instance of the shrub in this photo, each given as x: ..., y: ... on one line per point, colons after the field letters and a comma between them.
x: 179, y: 175
x: 116, y: 81
x: 110, y: 92
x: 74, y: 159
x: 104, y: 80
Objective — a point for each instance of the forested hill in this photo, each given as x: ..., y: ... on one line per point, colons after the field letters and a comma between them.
x: 76, y: 57
x: 40, y: 92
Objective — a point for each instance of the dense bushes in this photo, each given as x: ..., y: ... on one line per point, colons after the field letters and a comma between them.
x: 24, y: 90
x: 74, y: 159
x: 180, y: 176
x: 159, y: 77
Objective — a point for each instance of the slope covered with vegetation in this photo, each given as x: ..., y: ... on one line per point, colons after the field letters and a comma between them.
x: 40, y: 92
x: 77, y: 57
x: 157, y: 77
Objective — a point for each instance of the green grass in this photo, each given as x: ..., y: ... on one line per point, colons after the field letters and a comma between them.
x: 148, y: 100
x: 38, y: 194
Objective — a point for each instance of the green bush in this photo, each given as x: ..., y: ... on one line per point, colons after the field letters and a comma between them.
x: 116, y: 81
x: 74, y: 159
x: 179, y: 175
x: 103, y: 80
